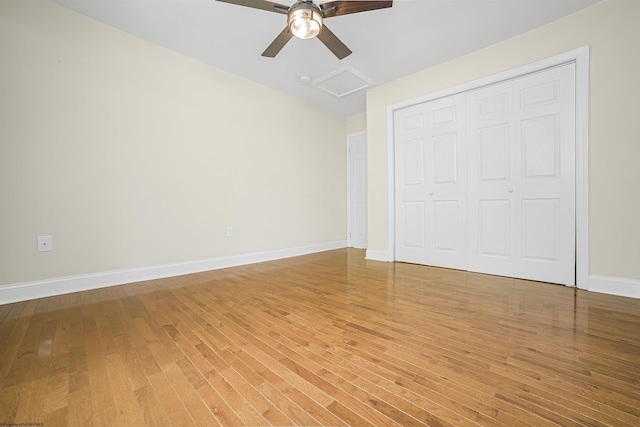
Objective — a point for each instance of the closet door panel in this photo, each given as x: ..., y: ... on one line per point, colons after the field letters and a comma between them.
x: 545, y: 118
x: 522, y: 159
x: 410, y: 185
x: 493, y: 216
x: 430, y: 168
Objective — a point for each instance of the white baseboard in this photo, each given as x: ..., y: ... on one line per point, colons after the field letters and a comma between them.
x: 601, y: 284
x: 615, y: 286
x: 377, y: 255
x: 65, y: 285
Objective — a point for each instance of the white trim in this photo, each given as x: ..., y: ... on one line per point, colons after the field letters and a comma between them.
x: 581, y: 58
x: 378, y: 256
x: 615, y: 286
x: 582, y: 167
x: 391, y: 184
x: 65, y: 285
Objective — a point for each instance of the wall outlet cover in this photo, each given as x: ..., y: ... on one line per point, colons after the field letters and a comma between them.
x: 45, y: 243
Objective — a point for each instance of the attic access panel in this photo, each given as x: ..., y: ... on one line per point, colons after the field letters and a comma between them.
x: 343, y: 82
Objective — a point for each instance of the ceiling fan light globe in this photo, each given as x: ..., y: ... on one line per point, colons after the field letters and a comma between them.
x: 305, y: 23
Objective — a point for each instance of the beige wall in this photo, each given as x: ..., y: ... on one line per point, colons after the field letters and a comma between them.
x: 612, y: 31
x: 357, y: 123
x: 131, y: 155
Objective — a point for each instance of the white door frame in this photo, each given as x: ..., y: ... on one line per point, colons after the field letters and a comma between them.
x: 581, y: 58
x: 350, y: 137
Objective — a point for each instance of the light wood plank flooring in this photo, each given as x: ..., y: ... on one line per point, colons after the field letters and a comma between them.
x: 325, y: 339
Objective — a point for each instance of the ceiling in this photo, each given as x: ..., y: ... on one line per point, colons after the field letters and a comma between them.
x: 387, y: 43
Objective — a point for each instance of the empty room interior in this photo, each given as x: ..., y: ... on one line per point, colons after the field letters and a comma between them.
x: 424, y: 217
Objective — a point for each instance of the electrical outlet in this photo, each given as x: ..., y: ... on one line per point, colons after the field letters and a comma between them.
x: 229, y: 231
x: 45, y: 243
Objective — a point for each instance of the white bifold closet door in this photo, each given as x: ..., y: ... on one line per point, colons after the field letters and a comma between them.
x: 430, y: 184
x: 521, y: 137
x: 485, y: 180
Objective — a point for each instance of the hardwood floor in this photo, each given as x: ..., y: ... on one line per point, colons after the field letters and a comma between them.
x: 324, y: 339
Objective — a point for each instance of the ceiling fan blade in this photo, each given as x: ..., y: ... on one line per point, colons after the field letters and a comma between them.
x: 277, y: 45
x: 341, y: 7
x: 334, y: 44
x: 260, y: 4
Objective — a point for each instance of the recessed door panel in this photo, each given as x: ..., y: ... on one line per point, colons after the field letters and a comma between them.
x: 445, y: 217
x: 541, y: 230
x: 361, y: 174
x: 493, y: 150
x: 361, y: 224
x: 541, y: 94
x: 541, y: 146
x: 494, y: 228
x: 413, y: 162
x: 492, y: 103
x: 413, y: 230
x: 444, y: 115
x: 412, y: 122
x: 445, y: 159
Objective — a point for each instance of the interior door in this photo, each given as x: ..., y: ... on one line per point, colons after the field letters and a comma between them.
x: 431, y: 199
x: 522, y: 177
x: 357, y: 153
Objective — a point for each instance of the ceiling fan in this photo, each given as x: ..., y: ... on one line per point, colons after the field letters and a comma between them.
x: 305, y: 21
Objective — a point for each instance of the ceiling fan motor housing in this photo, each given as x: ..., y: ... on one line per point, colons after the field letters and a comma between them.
x: 305, y: 19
